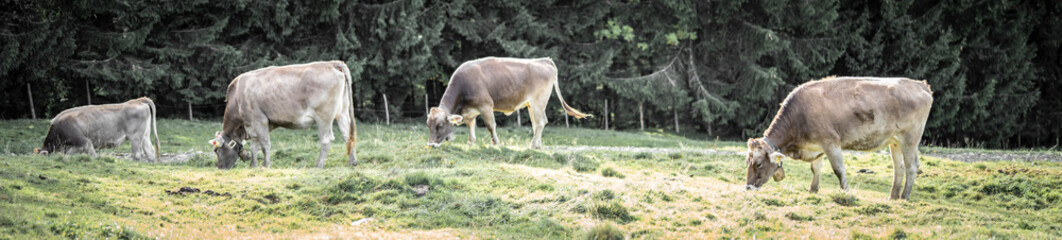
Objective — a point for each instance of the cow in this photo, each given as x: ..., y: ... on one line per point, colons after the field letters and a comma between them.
x: 833, y: 114
x: 482, y: 86
x: 84, y: 129
x: 293, y: 97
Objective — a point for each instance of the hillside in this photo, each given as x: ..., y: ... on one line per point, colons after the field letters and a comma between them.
x: 645, y: 184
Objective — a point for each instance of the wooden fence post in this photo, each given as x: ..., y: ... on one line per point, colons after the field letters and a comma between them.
x: 190, y: 112
x: 427, y: 108
x: 518, y: 118
x: 33, y: 111
x: 641, y: 116
x: 88, y: 93
x: 675, y: 110
x: 606, y: 114
x: 566, y: 120
x: 387, y: 112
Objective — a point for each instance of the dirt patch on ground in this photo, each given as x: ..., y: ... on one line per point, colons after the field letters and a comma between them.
x: 164, y: 157
x: 1016, y: 157
x: 643, y: 149
x: 964, y: 157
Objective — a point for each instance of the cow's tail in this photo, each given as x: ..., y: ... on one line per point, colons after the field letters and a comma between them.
x: 349, y: 98
x: 556, y: 87
x: 154, y: 128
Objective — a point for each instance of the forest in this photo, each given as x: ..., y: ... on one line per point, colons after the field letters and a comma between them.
x: 717, y: 67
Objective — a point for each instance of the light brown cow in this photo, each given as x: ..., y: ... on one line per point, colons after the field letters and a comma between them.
x: 86, y: 128
x: 482, y: 86
x: 294, y: 97
x: 851, y: 113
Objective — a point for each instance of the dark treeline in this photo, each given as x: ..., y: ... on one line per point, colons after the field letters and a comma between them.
x: 719, y: 67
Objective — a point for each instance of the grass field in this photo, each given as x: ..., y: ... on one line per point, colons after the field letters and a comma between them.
x: 587, y: 183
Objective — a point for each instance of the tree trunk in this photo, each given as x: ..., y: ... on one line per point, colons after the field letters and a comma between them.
x: 387, y: 111
x: 641, y: 117
x: 676, y: 120
x: 606, y: 114
x: 33, y: 111
x: 190, y: 112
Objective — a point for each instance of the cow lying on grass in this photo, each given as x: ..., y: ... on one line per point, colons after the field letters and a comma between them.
x: 479, y: 87
x: 83, y: 129
x: 850, y: 113
x: 293, y: 97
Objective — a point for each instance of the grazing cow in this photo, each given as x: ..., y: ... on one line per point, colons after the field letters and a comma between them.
x: 293, y: 97
x: 83, y: 129
x: 482, y: 86
x: 851, y: 113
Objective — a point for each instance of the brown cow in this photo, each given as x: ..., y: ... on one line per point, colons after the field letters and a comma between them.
x: 482, y: 86
x: 293, y: 97
x: 851, y: 113
x: 83, y: 129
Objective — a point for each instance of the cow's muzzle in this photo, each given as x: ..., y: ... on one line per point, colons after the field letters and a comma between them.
x: 434, y: 144
x: 751, y: 188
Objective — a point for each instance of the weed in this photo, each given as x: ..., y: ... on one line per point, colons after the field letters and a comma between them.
x: 609, y: 172
x: 643, y: 155
x: 845, y: 199
x: 583, y: 163
x: 676, y: 155
x: 612, y: 210
x: 873, y: 209
x: 898, y: 235
x: 604, y: 195
x: 798, y: 217
x: 773, y: 202
x: 605, y: 231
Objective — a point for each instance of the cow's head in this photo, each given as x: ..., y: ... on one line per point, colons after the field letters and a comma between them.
x: 441, y: 126
x: 39, y: 151
x: 764, y: 162
x: 228, y: 150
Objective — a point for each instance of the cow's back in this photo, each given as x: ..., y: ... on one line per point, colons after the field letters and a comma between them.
x: 287, y: 95
x: 858, y: 112
x: 104, y: 125
x: 504, y: 82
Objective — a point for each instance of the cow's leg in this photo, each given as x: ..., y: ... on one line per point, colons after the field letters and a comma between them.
x: 137, y: 148
x: 86, y: 148
x: 264, y: 144
x: 816, y: 167
x: 833, y: 152
x: 538, y: 122
x: 324, y: 130
x: 472, y: 131
x: 897, y: 170
x: 488, y: 119
x: 911, y: 162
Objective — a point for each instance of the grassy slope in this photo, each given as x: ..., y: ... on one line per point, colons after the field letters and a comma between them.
x: 503, y: 192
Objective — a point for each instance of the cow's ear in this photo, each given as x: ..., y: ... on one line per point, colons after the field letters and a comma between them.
x: 776, y: 158
x: 455, y: 119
